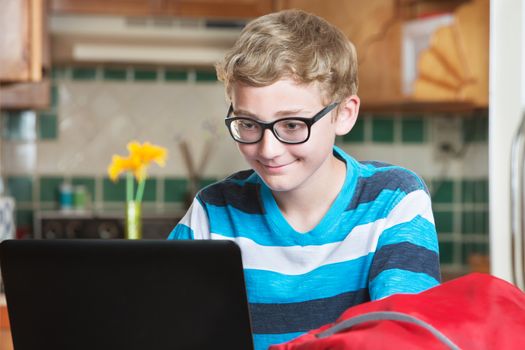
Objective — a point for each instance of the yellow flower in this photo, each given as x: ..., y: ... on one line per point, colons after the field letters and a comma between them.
x: 139, y: 158
x: 148, y: 153
x: 120, y: 164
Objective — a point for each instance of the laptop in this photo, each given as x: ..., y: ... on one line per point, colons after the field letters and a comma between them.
x: 121, y: 294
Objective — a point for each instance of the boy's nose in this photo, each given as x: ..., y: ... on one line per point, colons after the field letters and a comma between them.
x: 270, y: 146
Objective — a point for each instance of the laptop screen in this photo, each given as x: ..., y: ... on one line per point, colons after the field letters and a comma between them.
x: 119, y: 294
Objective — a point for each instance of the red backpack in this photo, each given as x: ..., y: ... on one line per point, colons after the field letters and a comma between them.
x: 476, y: 311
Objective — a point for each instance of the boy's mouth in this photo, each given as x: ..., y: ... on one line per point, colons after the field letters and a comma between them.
x: 276, y: 167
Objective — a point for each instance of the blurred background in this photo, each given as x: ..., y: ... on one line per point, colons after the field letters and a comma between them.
x: 80, y: 79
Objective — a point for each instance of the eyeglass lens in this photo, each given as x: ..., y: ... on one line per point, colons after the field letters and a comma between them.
x: 287, y: 130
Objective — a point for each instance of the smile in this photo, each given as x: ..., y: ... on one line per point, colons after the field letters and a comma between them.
x: 279, y: 167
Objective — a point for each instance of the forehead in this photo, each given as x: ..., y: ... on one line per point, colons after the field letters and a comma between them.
x: 282, y: 93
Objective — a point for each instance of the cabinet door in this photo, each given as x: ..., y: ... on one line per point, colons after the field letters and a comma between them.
x: 21, y: 24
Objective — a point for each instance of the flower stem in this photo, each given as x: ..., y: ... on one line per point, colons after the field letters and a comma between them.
x: 129, y: 186
x: 140, y: 189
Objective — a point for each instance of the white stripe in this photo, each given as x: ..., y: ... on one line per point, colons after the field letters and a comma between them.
x: 197, y: 219
x: 362, y: 240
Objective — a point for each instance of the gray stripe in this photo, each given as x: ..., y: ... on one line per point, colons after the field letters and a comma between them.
x: 405, y: 256
x: 375, y: 163
x: 387, y: 316
x: 302, y: 316
x: 242, y: 197
x: 369, y: 188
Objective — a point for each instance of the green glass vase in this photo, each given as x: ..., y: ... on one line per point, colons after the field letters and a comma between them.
x: 133, y: 220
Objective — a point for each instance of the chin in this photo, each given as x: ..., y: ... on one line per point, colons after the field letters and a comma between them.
x: 278, y: 184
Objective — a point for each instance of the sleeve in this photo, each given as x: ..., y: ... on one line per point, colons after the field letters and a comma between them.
x: 407, y: 254
x: 194, y: 224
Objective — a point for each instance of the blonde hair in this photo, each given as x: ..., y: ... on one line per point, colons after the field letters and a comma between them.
x: 292, y: 44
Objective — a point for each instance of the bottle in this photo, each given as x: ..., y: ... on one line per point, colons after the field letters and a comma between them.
x: 66, y: 196
x: 80, y: 197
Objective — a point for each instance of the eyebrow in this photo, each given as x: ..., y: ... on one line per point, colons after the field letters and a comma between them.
x: 285, y: 113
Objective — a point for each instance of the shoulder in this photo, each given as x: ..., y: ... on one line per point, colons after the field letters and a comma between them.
x: 240, y: 190
x: 390, y: 176
x: 382, y: 180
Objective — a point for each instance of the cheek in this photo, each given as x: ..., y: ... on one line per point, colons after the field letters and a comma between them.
x: 246, y: 150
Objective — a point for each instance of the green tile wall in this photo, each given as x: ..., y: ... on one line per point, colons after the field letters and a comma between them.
x: 175, y: 190
x: 474, y: 191
x: 150, y: 190
x: 80, y: 73
x: 205, y: 76
x: 118, y: 74
x: 443, y: 191
x: 113, y: 191
x: 383, y: 130
x: 475, y: 128
x: 21, y: 188
x: 413, y: 130
x: 145, y: 74
x: 24, y: 217
x: 58, y: 73
x: 54, y: 96
x: 175, y: 75
x: 47, y: 126
x: 474, y: 222
x: 206, y: 181
x: 444, y: 221
x: 446, y: 252
x: 50, y: 188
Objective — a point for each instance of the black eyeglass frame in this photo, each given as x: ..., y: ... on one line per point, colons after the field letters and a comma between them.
x: 308, y: 121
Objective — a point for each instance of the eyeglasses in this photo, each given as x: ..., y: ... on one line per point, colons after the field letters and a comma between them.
x: 287, y: 130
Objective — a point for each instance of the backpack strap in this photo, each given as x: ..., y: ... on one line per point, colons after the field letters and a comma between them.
x: 386, y: 316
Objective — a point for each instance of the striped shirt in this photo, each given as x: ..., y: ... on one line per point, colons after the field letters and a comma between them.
x: 378, y: 238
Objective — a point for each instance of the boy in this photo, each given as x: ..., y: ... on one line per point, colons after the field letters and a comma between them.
x: 319, y: 231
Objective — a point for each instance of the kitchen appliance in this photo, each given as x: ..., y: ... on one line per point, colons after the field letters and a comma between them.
x: 105, y: 225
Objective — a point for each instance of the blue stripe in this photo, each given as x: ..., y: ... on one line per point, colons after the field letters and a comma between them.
x: 323, y: 282
x: 256, y: 227
x: 369, y: 188
x: 263, y: 341
x: 368, y: 212
x: 418, y: 231
x: 400, y: 281
x: 181, y: 231
x: 303, y: 316
x: 406, y: 256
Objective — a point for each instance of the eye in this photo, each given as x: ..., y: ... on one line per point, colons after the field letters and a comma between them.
x: 246, y: 124
x: 291, y: 125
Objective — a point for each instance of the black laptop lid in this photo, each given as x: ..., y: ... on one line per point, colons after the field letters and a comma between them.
x: 119, y: 294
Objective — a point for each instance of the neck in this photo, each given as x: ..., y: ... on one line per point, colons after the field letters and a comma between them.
x: 305, y: 207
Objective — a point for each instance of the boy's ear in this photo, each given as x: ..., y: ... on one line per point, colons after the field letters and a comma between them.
x: 348, y: 111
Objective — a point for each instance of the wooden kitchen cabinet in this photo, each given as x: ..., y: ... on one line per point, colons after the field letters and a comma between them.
x: 24, y: 54
x: 455, y: 67
x: 376, y: 28
x: 21, y: 40
x: 226, y: 9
